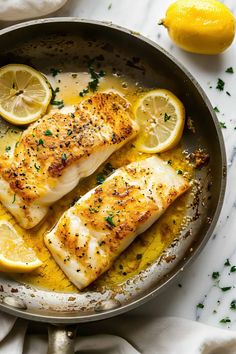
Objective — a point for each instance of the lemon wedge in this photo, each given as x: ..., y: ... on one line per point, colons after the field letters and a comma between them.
x: 161, y: 116
x: 15, y: 256
x: 24, y: 94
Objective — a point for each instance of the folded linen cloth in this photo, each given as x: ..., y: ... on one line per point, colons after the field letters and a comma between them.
x: 127, y: 334
x: 15, y: 10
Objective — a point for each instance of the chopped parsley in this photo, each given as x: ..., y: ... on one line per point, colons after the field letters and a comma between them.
x: 200, y: 306
x: 37, y: 167
x: 233, y: 305
x: 169, y: 162
x: 60, y: 103
x: 216, y: 109
x: 83, y: 92
x: 54, y: 93
x: 55, y: 71
x: 108, y: 168
x: 109, y: 220
x: 14, y: 198
x: 227, y: 263
x: 56, y: 90
x: 100, y: 178
x: 40, y: 142
x: 64, y: 157
x: 226, y: 288
x: 47, y: 132
x: 167, y: 117
x: 7, y: 148
x: 95, y: 77
x: 179, y: 172
x: 227, y: 93
x: 225, y: 320
x: 93, y: 85
x: 110, y: 6
x: 220, y: 85
x: 229, y: 70
x: 233, y: 269
x: 69, y: 132
x: 102, y: 73
x: 215, y: 275
x: 222, y: 125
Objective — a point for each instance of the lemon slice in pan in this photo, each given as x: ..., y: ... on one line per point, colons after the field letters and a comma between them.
x: 15, y: 256
x: 161, y: 116
x: 24, y: 94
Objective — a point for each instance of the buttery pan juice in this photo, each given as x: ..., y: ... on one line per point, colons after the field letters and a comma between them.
x: 69, y: 90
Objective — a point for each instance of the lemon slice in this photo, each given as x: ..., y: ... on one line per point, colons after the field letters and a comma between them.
x: 161, y: 116
x: 15, y: 256
x: 24, y: 94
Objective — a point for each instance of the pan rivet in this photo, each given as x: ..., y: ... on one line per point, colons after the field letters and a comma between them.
x: 107, y: 305
x: 70, y: 334
x: 14, y: 302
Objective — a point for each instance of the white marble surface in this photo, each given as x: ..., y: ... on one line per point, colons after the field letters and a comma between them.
x: 197, y: 284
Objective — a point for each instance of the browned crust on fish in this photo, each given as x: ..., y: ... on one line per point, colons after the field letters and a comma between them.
x: 55, y: 142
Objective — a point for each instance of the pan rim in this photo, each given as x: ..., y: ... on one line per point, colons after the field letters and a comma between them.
x: 69, y: 319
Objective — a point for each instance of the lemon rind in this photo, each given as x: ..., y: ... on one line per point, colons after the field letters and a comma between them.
x: 18, y: 267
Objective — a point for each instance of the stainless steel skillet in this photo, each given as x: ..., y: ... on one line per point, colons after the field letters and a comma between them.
x: 44, y: 44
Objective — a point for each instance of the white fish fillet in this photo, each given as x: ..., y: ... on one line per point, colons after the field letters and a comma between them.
x: 55, y: 152
x: 106, y: 220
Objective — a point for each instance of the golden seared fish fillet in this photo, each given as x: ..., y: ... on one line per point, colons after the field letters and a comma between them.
x: 54, y: 153
x: 103, y: 223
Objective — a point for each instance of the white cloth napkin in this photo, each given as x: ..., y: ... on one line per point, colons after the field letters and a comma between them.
x: 126, y: 335
x: 15, y: 10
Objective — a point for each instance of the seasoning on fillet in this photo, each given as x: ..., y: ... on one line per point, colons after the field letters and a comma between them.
x: 106, y: 220
x: 48, y: 162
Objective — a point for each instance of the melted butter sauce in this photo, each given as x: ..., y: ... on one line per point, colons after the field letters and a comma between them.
x: 147, y: 247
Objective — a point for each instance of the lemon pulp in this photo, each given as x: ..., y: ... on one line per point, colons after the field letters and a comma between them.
x: 15, y: 256
x: 24, y: 94
x: 161, y: 117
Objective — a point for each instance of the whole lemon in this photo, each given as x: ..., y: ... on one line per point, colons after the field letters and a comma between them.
x: 200, y: 26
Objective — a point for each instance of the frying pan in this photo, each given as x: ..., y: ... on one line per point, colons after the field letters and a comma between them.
x: 49, y: 42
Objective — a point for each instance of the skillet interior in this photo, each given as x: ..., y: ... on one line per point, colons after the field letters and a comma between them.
x: 47, y: 43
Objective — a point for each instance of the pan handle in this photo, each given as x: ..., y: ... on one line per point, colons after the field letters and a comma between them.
x: 61, y: 339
